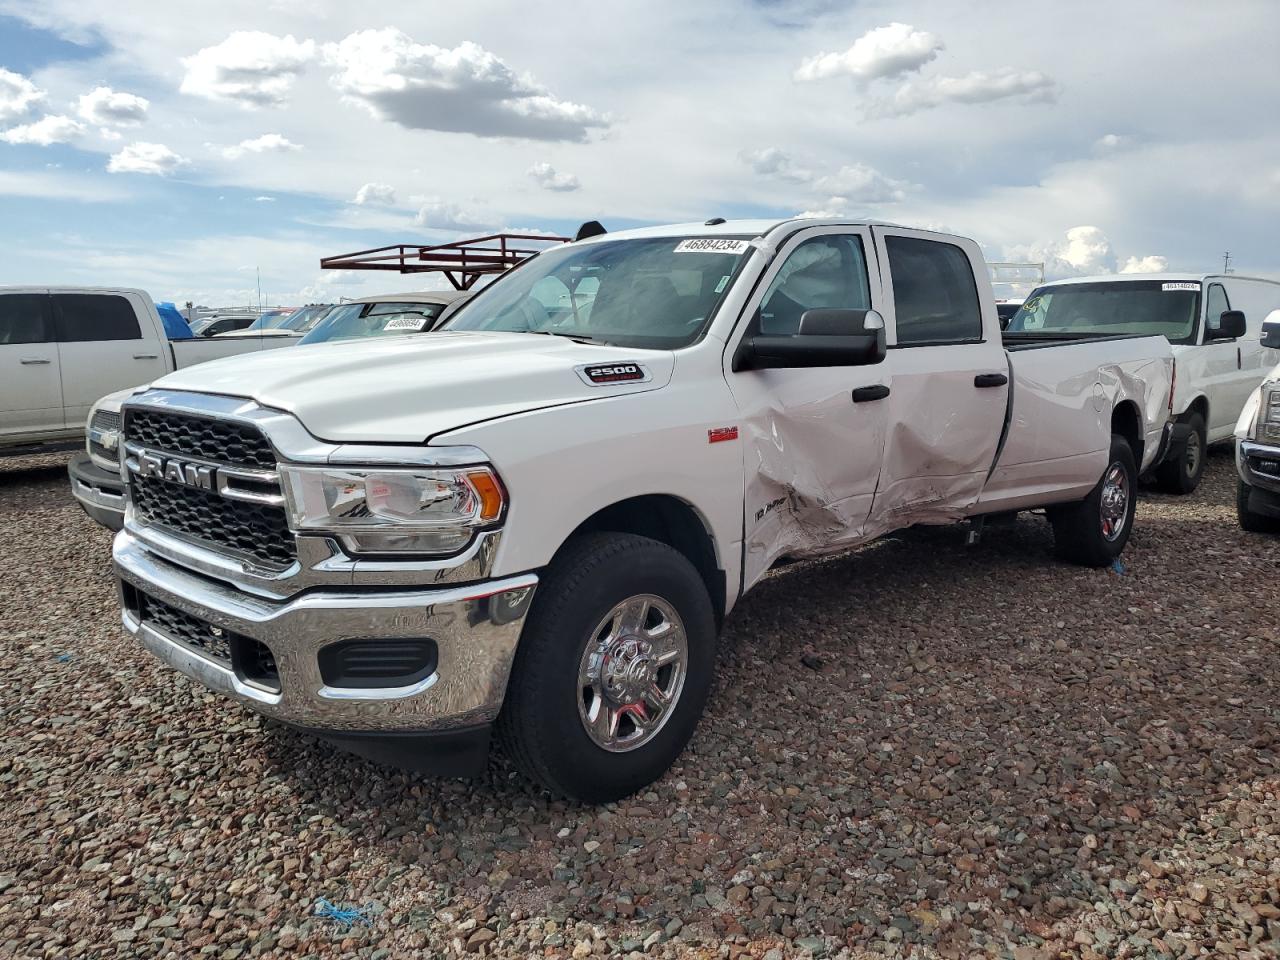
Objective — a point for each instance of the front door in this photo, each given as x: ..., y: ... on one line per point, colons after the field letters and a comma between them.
x: 30, y: 386
x: 813, y: 437
x: 950, y: 380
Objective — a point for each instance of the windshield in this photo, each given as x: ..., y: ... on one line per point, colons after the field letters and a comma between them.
x: 651, y: 293
x: 1112, y: 308
x: 270, y: 320
x: 349, y: 320
x: 302, y: 320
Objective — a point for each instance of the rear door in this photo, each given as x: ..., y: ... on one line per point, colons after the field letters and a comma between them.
x: 106, y: 342
x: 30, y: 386
x: 950, y: 380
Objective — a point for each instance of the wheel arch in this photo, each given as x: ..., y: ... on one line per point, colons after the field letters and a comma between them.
x: 670, y: 520
x: 1200, y: 405
x: 1126, y: 420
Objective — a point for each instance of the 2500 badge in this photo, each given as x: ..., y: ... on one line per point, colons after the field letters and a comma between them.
x: 605, y: 373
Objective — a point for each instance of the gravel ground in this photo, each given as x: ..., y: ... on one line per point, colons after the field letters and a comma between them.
x: 921, y: 749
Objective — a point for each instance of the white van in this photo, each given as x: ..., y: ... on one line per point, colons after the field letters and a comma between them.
x: 1213, y: 321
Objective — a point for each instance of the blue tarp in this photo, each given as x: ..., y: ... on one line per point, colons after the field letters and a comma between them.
x: 175, y: 327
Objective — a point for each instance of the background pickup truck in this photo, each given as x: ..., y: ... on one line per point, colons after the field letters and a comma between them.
x: 1213, y: 321
x: 61, y: 348
x: 1258, y: 447
x: 539, y: 516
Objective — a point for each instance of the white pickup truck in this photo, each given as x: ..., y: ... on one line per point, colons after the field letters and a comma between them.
x: 1214, y: 322
x: 538, y: 517
x: 1258, y: 447
x: 61, y: 348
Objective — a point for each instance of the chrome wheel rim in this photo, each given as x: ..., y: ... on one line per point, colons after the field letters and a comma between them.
x: 631, y: 673
x: 1115, y: 502
x: 1193, y: 454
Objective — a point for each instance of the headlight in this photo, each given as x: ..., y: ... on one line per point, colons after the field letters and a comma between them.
x: 423, y: 510
x: 1269, y: 415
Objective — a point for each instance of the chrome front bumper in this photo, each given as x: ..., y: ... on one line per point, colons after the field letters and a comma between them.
x: 476, y: 629
x: 1253, y: 462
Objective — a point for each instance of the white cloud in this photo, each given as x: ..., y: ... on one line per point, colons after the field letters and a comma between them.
x: 1148, y: 264
x: 887, y: 51
x: 440, y: 214
x: 17, y: 95
x: 775, y: 162
x: 466, y: 89
x: 264, y: 199
x: 252, y: 68
x: 45, y: 131
x: 1108, y: 142
x: 1084, y: 251
x: 980, y: 86
x: 375, y: 193
x: 851, y: 183
x: 143, y: 157
x: 58, y: 186
x: 862, y: 184
x: 267, y: 143
x: 106, y: 107
x: 545, y: 175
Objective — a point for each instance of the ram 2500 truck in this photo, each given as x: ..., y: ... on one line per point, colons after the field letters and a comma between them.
x: 537, y: 518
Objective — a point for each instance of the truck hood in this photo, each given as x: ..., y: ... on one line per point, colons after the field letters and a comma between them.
x: 409, y: 389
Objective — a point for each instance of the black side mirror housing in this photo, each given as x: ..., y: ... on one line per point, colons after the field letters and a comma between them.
x: 1231, y: 326
x: 1271, y: 335
x: 826, y: 338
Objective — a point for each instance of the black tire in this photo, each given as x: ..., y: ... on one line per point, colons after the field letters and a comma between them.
x: 540, y: 728
x: 1181, y: 473
x: 1252, y: 522
x: 1079, y: 530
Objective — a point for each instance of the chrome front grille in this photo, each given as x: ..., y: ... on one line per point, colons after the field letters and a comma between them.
x: 219, y: 441
x: 104, y: 422
x: 212, y: 515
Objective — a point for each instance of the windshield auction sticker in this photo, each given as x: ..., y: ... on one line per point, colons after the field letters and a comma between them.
x: 1180, y: 285
x: 713, y: 245
x: 404, y: 323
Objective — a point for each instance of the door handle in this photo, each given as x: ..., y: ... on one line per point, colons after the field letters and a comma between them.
x: 990, y: 380
x: 146, y: 356
x: 32, y: 361
x: 867, y: 394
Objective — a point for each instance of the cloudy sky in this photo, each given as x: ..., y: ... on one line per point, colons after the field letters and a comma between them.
x: 143, y: 145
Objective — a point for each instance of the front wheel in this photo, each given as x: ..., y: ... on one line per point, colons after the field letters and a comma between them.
x: 1094, y: 531
x: 1250, y: 521
x: 613, y: 668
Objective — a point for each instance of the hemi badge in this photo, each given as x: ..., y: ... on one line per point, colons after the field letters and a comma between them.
x: 721, y: 434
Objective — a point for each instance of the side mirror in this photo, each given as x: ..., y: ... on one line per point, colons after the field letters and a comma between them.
x: 826, y: 338
x: 1271, y: 335
x: 1231, y: 326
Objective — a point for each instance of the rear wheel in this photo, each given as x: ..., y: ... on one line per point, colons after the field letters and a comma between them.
x: 1250, y: 521
x: 613, y: 668
x: 1094, y: 531
x: 1182, y: 472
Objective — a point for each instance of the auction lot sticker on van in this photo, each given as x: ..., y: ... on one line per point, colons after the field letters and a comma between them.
x: 1180, y: 285
x: 713, y: 245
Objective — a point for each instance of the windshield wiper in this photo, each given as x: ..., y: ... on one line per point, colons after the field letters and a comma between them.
x: 578, y: 337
